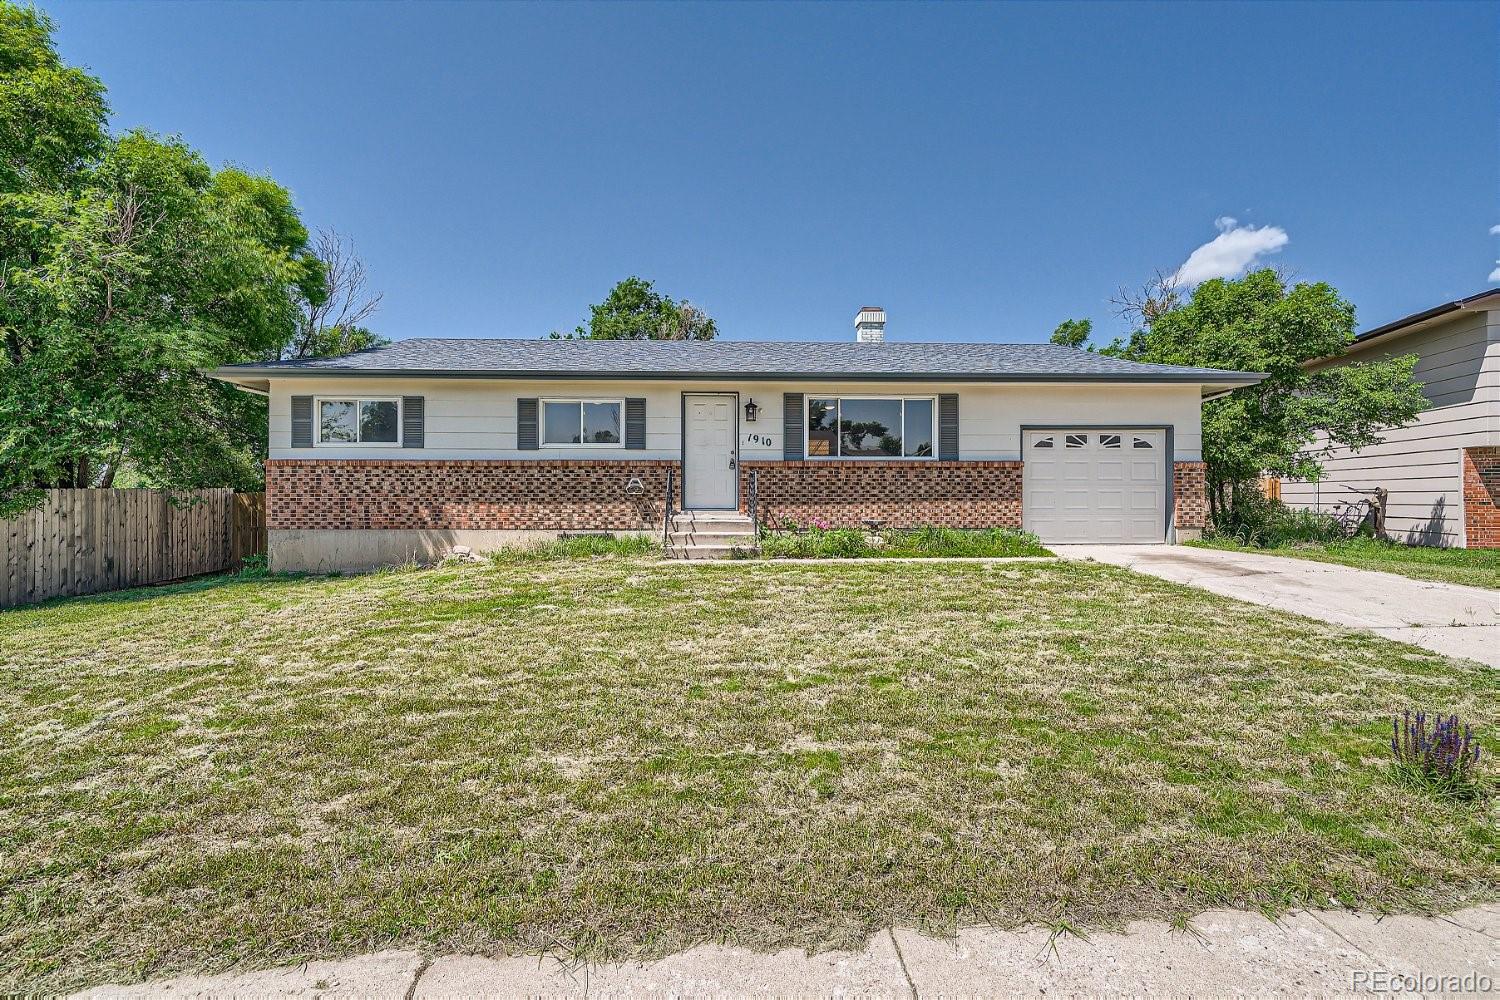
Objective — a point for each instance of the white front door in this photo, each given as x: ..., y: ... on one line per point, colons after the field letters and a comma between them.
x: 1088, y: 485
x: 710, y: 458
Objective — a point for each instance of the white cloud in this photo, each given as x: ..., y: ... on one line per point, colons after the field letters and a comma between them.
x: 1495, y: 230
x: 1495, y: 274
x: 1231, y: 253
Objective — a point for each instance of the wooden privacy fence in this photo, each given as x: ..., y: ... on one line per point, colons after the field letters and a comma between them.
x: 90, y: 541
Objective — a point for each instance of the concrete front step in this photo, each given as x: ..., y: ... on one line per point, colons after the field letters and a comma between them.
x: 690, y: 531
x: 688, y: 539
x: 724, y: 525
x: 708, y: 534
x: 706, y: 551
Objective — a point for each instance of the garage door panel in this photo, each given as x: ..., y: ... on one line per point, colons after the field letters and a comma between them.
x: 1095, y: 485
x: 1079, y: 470
x: 1078, y: 500
x: 1109, y: 500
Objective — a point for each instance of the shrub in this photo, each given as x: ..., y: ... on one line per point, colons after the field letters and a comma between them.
x: 1259, y: 521
x: 962, y: 542
x: 1443, y: 756
x: 814, y: 543
x: 818, y: 541
x: 579, y: 547
x: 255, y: 566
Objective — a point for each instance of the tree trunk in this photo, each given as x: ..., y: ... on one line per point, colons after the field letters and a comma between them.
x: 81, y: 476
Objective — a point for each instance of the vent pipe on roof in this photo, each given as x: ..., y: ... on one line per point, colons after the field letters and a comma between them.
x: 869, y: 325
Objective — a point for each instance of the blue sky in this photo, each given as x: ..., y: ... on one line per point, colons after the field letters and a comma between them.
x: 981, y: 171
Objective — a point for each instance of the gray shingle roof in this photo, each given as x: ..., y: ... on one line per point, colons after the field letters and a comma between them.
x: 789, y: 360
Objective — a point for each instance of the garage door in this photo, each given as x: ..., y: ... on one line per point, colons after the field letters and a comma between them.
x: 1095, y: 486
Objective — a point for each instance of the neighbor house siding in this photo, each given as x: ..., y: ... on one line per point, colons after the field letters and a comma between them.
x: 1421, y: 465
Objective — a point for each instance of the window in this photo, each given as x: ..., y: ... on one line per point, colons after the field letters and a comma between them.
x: 1141, y: 442
x: 1109, y: 440
x: 1045, y: 442
x: 1076, y: 441
x: 870, y: 427
x: 359, y: 421
x: 582, y: 422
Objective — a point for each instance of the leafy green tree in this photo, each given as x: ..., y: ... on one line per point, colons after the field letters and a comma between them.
x: 634, y: 310
x: 1288, y: 423
x: 1073, y: 332
x: 127, y: 265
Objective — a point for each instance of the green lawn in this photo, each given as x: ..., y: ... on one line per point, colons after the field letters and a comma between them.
x: 625, y: 756
x: 1472, y: 567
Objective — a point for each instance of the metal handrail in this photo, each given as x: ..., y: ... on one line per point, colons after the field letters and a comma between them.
x: 755, y: 506
x: 666, y: 514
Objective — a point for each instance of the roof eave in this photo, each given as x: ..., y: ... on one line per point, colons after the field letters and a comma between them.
x: 1489, y: 299
x: 258, y: 376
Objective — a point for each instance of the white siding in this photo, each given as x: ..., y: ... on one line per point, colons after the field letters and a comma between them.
x: 477, y: 418
x: 1420, y: 464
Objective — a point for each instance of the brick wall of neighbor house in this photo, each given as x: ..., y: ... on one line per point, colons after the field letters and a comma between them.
x: 900, y: 494
x: 1190, y: 495
x: 459, y: 495
x: 1482, y: 498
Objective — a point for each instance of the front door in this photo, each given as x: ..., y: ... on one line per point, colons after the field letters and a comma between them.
x: 710, y: 456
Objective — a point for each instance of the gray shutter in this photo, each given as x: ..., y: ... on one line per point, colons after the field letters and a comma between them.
x: 526, y: 431
x: 948, y: 427
x: 793, y: 426
x: 635, y: 423
x: 413, y: 419
x: 302, y: 424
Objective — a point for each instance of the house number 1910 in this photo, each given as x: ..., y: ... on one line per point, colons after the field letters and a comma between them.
x: 764, y: 440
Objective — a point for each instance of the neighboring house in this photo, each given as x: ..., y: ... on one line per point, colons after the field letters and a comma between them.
x: 1442, y: 472
x: 416, y: 447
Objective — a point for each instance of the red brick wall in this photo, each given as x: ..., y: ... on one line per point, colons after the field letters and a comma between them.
x: 1482, y: 498
x: 590, y: 495
x: 1190, y: 495
x: 901, y: 494
x: 514, y: 494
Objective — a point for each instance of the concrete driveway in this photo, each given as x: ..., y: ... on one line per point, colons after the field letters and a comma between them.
x: 1443, y: 617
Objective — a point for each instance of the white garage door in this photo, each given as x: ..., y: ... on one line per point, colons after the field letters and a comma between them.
x: 1095, y: 486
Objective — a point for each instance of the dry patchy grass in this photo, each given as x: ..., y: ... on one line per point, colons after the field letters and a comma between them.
x: 625, y: 756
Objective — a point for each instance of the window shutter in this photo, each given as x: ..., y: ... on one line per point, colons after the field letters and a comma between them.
x: 413, y: 420
x: 635, y: 423
x: 793, y: 426
x: 948, y: 427
x: 526, y: 429
x: 302, y: 422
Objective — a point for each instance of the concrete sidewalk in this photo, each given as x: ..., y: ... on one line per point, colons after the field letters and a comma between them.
x: 1443, y: 617
x: 1224, y: 952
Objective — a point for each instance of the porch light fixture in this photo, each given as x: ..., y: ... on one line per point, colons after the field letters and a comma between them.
x: 751, y: 409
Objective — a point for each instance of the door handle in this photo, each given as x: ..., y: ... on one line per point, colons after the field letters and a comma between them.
x: 731, y: 463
